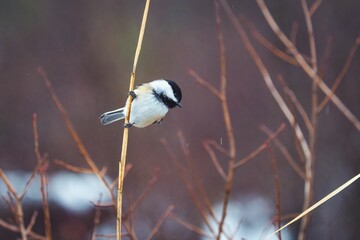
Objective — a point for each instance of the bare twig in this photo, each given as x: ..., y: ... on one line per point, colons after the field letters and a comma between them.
x: 227, y: 120
x: 214, y: 159
x: 341, y: 75
x: 314, y: 7
x: 32, y: 222
x: 267, y: 78
x: 260, y: 148
x: 305, y: 66
x: 96, y: 221
x: 293, y: 34
x: 73, y: 133
x: 156, y: 228
x: 43, y: 163
x: 199, y: 188
x: 190, y: 227
x: 284, y: 152
x: 142, y: 196
x: 277, y: 186
x: 19, y: 214
x: 309, y: 163
x: 268, y: 45
x: 296, y: 103
x: 14, y: 228
x: 204, y: 83
x: 189, y: 187
x: 72, y: 168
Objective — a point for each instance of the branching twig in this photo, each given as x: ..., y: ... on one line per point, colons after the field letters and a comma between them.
x: 73, y: 133
x: 305, y: 66
x: 189, y: 226
x: 43, y: 163
x: 261, y: 148
x: 284, y: 152
x: 277, y: 187
x: 19, y: 213
x: 156, y: 228
x: 341, y: 75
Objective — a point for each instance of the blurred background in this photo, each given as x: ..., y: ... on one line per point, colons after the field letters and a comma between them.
x: 87, y: 48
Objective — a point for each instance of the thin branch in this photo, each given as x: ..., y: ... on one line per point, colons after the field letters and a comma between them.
x: 190, y: 226
x: 261, y: 148
x: 189, y: 187
x: 267, y: 78
x: 32, y: 222
x: 214, y: 160
x: 142, y: 196
x: 309, y: 164
x: 73, y: 133
x: 296, y: 103
x: 73, y: 168
x: 43, y: 163
x: 341, y: 75
x: 284, y: 152
x: 96, y: 220
x: 268, y: 45
x: 305, y: 66
x: 277, y: 186
x: 19, y: 214
x: 14, y: 228
x: 161, y: 220
x: 293, y: 34
x: 314, y: 7
x: 204, y: 83
x: 227, y: 120
x: 199, y: 188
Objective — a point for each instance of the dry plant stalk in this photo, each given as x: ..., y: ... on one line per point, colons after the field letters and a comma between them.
x: 122, y: 162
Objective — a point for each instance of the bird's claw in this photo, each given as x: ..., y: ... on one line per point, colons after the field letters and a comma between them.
x: 132, y: 94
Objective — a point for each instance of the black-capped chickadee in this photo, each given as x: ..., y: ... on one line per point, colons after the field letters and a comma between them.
x: 151, y: 102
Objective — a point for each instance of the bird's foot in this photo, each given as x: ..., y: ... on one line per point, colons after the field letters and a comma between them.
x: 132, y: 94
x: 128, y: 125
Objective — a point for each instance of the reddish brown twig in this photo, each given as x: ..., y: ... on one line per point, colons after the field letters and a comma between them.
x: 73, y: 133
x: 277, y: 187
x: 96, y: 220
x: 267, y: 78
x: 161, y: 220
x: 43, y: 163
x: 267, y: 44
x: 341, y: 75
x: 314, y: 7
x: 284, y: 152
x: 190, y: 226
x: 19, y: 213
x: 291, y: 95
x: 305, y: 66
x: 199, y: 188
x: 214, y: 159
x: 261, y: 148
x: 189, y: 187
x: 142, y: 196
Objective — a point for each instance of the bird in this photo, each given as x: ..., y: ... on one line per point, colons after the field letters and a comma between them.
x: 151, y: 102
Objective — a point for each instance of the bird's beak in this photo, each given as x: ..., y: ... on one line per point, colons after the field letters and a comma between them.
x: 179, y: 105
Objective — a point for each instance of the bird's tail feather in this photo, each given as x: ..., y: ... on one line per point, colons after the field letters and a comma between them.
x: 112, y: 116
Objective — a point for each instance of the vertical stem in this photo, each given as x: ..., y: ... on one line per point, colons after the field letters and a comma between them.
x: 309, y: 164
x: 122, y: 162
x: 227, y: 120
